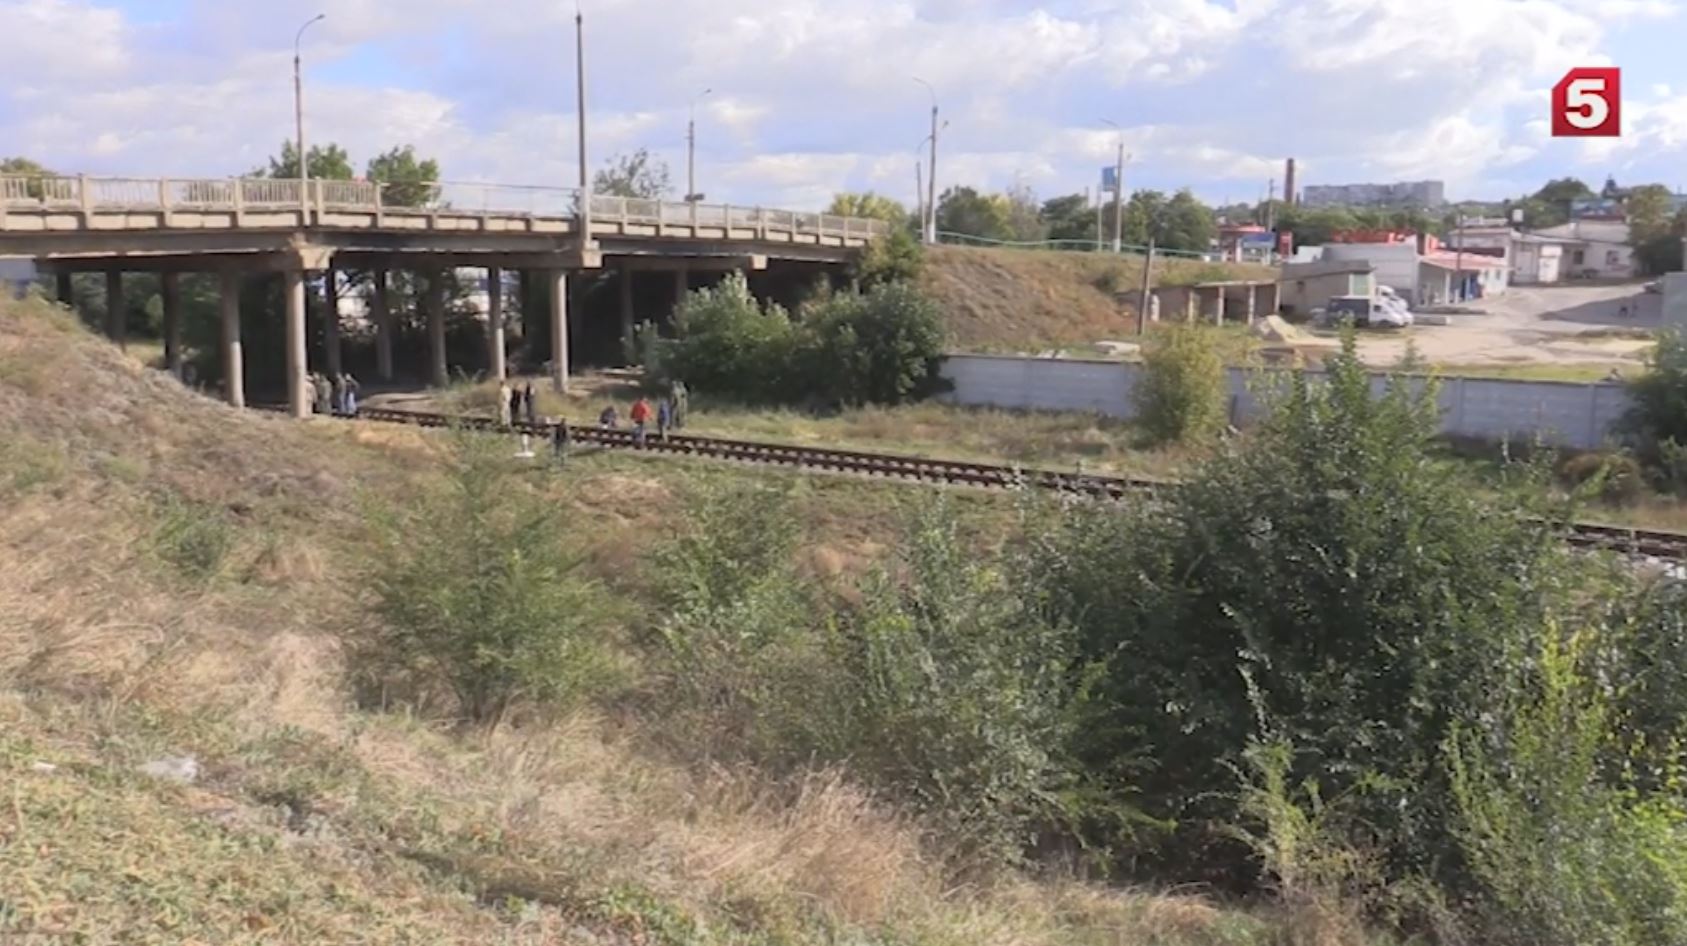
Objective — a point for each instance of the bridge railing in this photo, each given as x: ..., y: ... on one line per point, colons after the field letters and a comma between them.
x: 90, y: 194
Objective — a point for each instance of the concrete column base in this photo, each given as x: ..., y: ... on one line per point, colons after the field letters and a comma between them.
x: 382, y: 314
x: 438, y: 371
x: 495, y: 323
x: 331, y: 322
x: 234, y: 364
x: 116, y: 311
x: 169, y: 291
x: 293, y: 293
x: 558, y: 278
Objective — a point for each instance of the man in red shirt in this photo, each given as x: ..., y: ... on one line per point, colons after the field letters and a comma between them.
x: 640, y: 417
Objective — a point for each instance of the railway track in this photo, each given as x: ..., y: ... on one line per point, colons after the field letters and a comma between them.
x: 1642, y: 543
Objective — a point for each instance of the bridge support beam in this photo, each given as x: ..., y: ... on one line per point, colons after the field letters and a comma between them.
x: 331, y: 322
x: 438, y: 371
x: 293, y: 293
x: 383, y: 326
x: 625, y: 278
x: 169, y: 291
x: 234, y: 366
x: 558, y: 279
x: 682, y: 285
x: 116, y: 312
x: 495, y: 322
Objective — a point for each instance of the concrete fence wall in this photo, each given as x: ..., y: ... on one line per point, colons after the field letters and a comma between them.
x: 1566, y: 414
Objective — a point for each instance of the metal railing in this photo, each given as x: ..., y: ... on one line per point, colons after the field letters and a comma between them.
x: 21, y: 193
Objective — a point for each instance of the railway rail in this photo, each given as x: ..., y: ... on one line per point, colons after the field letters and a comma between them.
x: 1642, y: 543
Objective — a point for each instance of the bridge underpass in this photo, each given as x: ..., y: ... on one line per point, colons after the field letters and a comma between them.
x: 310, y: 231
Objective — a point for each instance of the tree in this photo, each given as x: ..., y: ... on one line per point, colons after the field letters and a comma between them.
x: 892, y: 258
x: 1550, y: 206
x: 965, y: 211
x: 1024, y: 221
x: 870, y: 205
x: 878, y: 347
x: 639, y: 175
x: 1145, y: 217
x: 1070, y: 217
x: 328, y: 163
x: 1650, y: 210
x: 1189, y: 224
x: 410, y: 183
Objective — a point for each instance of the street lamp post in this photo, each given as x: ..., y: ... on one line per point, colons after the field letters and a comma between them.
x: 299, y: 114
x: 930, y: 224
x: 580, y: 106
x: 1119, y: 192
x: 691, y: 194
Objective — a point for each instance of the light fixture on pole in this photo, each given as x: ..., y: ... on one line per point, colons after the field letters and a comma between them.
x: 299, y: 111
x: 691, y: 194
x: 929, y: 228
x: 580, y: 106
x: 1118, y: 191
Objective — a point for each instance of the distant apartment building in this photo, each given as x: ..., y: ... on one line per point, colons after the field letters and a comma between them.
x: 1401, y: 194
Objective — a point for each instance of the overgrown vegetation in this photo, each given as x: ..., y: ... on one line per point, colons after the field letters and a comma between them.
x: 1183, y: 390
x: 881, y: 346
x: 478, y: 602
x: 1656, y: 424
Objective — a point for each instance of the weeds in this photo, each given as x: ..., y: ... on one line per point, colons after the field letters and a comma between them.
x: 194, y: 538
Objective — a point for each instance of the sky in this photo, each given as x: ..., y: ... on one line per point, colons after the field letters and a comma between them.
x: 810, y: 97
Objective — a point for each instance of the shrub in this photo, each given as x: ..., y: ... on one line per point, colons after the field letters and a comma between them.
x: 1565, y: 856
x: 893, y: 258
x: 955, y: 696
x: 1614, y: 476
x: 1330, y: 576
x: 1659, y: 411
x: 476, y: 597
x: 728, y: 344
x: 880, y: 347
x: 1181, y: 393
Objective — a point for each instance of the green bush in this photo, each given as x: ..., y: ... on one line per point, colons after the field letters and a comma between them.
x: 893, y: 258
x: 954, y: 696
x: 476, y: 598
x: 1330, y: 576
x: 1659, y: 411
x: 879, y: 347
x: 882, y: 346
x: 1565, y: 855
x: 1182, y: 392
x: 1615, y: 477
x: 729, y: 345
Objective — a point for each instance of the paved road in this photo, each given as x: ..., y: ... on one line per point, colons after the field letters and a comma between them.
x: 1559, y: 324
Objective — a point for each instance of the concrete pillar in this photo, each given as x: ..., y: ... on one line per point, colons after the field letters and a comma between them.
x: 1253, y: 299
x: 1190, y: 304
x: 234, y: 365
x: 67, y: 291
x: 169, y: 290
x: 682, y: 284
x: 382, y: 313
x: 116, y: 313
x: 293, y: 294
x: 438, y: 371
x: 331, y: 321
x: 1218, y: 309
x: 559, y: 328
x: 495, y: 322
x: 626, y: 281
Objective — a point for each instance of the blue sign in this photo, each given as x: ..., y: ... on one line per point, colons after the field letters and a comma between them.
x: 1110, y: 178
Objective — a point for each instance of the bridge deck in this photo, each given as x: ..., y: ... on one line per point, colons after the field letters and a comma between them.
x: 82, y: 217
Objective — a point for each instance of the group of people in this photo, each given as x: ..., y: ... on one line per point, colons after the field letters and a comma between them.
x: 333, y: 394
x: 517, y: 404
x: 668, y: 413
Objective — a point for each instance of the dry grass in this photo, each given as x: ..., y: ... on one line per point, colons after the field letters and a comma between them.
x: 1028, y: 300
x: 313, y: 822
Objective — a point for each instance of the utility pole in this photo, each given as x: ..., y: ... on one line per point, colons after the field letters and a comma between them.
x: 931, y: 169
x: 691, y: 194
x: 920, y: 196
x: 1118, y: 191
x: 1458, y: 234
x: 299, y: 117
x: 1100, y: 201
x: 1271, y: 205
x: 1147, y: 282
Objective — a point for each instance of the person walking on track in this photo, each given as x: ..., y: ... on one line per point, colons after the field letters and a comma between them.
x: 640, y: 416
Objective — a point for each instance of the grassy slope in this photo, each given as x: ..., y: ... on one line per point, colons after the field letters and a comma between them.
x: 171, y: 572
x: 1027, y: 300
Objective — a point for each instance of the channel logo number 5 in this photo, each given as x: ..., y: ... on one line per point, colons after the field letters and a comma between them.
x: 1588, y: 103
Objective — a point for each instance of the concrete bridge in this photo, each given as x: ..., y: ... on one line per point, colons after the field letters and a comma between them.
x: 236, y: 227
